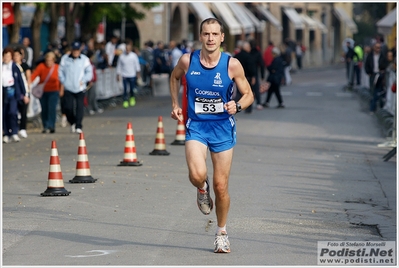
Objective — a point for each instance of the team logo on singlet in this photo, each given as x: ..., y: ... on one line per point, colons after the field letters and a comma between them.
x: 217, y: 81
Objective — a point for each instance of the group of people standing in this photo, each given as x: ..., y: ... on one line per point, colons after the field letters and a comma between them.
x: 276, y: 61
x: 67, y: 77
x: 377, y: 61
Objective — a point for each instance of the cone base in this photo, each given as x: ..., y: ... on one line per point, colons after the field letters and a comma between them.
x: 55, y: 192
x: 177, y: 142
x: 82, y: 179
x: 159, y: 152
x: 122, y: 163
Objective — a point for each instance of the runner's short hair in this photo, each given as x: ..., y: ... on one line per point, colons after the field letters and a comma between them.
x: 211, y: 21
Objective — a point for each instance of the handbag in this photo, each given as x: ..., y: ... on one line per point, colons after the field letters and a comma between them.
x: 38, y: 90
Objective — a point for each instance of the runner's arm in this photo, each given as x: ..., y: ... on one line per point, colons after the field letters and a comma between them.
x: 175, y: 77
x: 236, y: 72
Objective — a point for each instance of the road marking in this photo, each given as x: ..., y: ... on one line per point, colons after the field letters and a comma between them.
x: 101, y: 253
x: 286, y: 93
x: 343, y: 94
x: 314, y: 94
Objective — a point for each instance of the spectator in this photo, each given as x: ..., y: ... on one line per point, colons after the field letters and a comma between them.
x: 75, y: 72
x: 110, y: 48
x: 51, y: 93
x: 29, y: 55
x: 101, y: 56
x: 260, y: 69
x: 287, y: 59
x: 268, y: 55
x: 248, y: 63
x: 91, y: 92
x: 349, y: 55
x: 276, y: 74
x: 298, y: 54
x: 148, y: 56
x: 357, y: 63
x: 161, y: 59
x: 26, y: 76
x: 175, y: 53
x: 375, y: 65
x: 13, y: 92
x: 128, y: 68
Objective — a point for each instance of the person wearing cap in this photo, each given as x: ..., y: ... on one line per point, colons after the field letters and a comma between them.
x: 276, y: 74
x: 74, y: 72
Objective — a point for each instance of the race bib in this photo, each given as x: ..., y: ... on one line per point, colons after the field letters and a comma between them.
x: 208, y: 106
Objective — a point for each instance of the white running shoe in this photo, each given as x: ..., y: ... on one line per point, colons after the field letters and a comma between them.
x: 222, y: 244
x: 15, y: 138
x: 73, y: 128
x: 100, y: 111
x: 23, y: 133
x: 6, y: 139
x: 63, y: 121
x: 91, y: 112
x: 78, y: 130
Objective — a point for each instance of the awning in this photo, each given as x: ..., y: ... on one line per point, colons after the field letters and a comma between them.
x: 259, y: 24
x: 269, y: 17
x: 242, y: 17
x: 223, y: 12
x: 201, y: 10
x: 321, y: 26
x: 294, y: 17
x: 312, y: 24
x: 384, y: 25
x: 344, y: 17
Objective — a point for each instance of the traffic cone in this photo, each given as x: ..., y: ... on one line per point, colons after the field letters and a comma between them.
x: 160, y: 147
x: 180, y: 134
x: 82, y: 165
x: 130, y: 156
x: 55, y: 185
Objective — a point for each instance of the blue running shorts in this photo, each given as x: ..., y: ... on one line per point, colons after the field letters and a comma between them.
x: 218, y: 135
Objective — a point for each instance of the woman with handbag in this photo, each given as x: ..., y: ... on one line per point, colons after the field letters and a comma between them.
x: 48, y: 74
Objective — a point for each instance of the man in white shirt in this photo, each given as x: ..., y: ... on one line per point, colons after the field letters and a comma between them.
x: 128, y: 67
x: 110, y: 48
x: 175, y: 53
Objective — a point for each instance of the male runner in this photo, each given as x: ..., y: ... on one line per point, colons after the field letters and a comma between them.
x: 210, y: 76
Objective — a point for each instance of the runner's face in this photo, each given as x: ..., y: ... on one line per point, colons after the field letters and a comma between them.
x: 211, y: 37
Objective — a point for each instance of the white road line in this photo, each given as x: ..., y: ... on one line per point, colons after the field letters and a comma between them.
x: 314, y: 94
x: 286, y: 93
x: 343, y: 94
x: 100, y: 253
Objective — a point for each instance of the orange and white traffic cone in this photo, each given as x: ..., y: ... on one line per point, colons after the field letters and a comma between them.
x: 160, y: 147
x: 82, y: 165
x: 130, y: 156
x: 180, y: 134
x: 55, y: 185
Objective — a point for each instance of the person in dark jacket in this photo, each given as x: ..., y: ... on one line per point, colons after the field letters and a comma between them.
x: 375, y: 66
x: 249, y: 65
x: 13, y: 92
x: 276, y: 74
x: 260, y: 69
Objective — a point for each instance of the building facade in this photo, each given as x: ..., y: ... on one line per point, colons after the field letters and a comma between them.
x: 320, y: 27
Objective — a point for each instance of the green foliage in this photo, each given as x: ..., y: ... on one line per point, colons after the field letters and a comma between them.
x: 115, y: 11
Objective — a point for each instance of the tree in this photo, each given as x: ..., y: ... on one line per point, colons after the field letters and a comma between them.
x: 15, y: 28
x: 55, y: 11
x: 93, y: 13
x: 35, y: 27
x: 71, y: 13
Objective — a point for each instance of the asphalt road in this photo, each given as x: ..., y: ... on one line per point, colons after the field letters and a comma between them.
x: 307, y: 173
